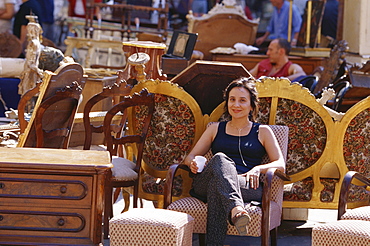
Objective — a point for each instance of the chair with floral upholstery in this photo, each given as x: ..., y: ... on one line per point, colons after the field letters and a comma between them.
x: 176, y: 125
x: 263, y: 219
x: 353, y: 225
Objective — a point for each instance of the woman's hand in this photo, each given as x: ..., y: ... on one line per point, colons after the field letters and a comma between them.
x: 253, y: 177
x: 193, y: 166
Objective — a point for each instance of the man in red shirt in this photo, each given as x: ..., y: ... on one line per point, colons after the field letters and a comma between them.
x: 278, y: 64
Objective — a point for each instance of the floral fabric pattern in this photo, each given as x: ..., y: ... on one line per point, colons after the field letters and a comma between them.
x: 170, y: 138
x: 171, y: 133
x: 264, y: 110
x: 307, y: 134
x: 356, y: 152
x: 356, y: 144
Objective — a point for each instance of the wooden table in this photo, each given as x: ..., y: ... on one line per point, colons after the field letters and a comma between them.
x: 52, y: 196
x: 249, y: 61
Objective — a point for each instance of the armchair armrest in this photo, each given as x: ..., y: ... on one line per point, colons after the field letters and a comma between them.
x: 168, y: 186
x: 343, y: 197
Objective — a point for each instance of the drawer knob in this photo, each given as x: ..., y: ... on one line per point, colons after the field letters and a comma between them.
x: 1, y: 217
x: 2, y: 185
x: 61, y: 222
x: 63, y: 189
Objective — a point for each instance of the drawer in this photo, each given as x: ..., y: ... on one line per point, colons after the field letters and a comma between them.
x: 46, y: 222
x: 55, y: 190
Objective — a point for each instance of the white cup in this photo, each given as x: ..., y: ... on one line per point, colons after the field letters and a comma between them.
x: 201, y: 161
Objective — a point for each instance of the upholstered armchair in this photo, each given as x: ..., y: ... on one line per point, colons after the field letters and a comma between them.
x: 176, y: 125
x: 264, y: 219
x: 359, y: 213
x: 353, y: 225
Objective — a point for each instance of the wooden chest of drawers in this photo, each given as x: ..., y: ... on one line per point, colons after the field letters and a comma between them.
x: 51, y: 196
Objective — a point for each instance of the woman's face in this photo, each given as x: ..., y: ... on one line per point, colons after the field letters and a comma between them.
x: 239, y: 102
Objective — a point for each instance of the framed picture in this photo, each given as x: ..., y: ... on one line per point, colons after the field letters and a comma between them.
x: 181, y: 45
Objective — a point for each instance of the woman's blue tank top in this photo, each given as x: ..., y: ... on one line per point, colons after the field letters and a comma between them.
x: 251, y: 148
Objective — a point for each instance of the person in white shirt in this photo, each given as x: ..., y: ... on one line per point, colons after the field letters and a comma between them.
x: 7, y: 11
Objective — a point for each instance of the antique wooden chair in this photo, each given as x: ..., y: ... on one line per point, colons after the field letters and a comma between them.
x: 126, y: 173
x: 176, y: 125
x: 57, y: 102
x: 264, y: 219
x: 114, y: 93
x: 353, y: 225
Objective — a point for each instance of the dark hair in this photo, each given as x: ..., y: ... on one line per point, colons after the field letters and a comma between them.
x: 284, y: 44
x: 250, y: 85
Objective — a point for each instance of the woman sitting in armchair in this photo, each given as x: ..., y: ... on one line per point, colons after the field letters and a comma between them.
x: 231, y: 177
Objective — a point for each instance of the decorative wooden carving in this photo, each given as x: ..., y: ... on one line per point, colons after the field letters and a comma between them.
x: 31, y: 73
x: 331, y: 65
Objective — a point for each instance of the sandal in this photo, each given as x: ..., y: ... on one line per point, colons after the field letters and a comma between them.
x: 241, y: 221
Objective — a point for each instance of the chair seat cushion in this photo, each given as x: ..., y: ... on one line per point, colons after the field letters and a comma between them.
x: 123, y: 169
x: 342, y: 232
x: 361, y: 213
x: 198, y: 210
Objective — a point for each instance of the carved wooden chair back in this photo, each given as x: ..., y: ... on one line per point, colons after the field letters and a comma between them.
x: 211, y: 25
x: 115, y: 93
x: 53, y: 126
x: 126, y: 173
x: 65, y: 85
x: 331, y: 67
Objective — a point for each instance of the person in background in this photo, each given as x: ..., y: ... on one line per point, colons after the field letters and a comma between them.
x: 199, y: 7
x: 231, y: 177
x: 329, y: 23
x: 278, y: 64
x: 28, y: 7
x: 77, y: 8
x: 7, y: 11
x: 248, y: 12
x: 47, y: 23
x: 278, y: 26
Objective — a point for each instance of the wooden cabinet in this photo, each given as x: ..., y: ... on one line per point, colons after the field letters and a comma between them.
x: 249, y: 61
x: 52, y: 196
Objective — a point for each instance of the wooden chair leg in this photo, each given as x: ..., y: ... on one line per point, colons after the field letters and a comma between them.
x: 116, y: 194
x: 265, y: 237
x: 108, y: 210
x: 273, y: 236
x: 126, y: 197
